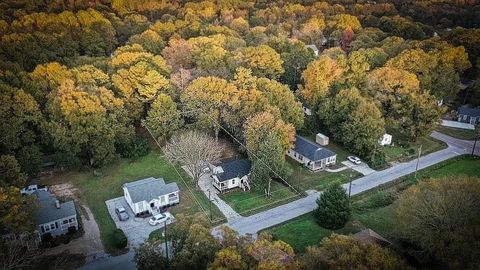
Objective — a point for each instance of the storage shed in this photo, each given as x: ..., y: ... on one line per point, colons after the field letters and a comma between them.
x: 321, y: 139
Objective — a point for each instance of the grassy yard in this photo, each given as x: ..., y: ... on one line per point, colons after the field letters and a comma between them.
x: 250, y: 202
x: 464, y: 134
x: 401, y: 153
x: 95, y: 190
x: 368, y: 210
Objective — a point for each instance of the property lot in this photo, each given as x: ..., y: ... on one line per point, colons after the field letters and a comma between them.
x: 136, y: 229
x: 361, y: 168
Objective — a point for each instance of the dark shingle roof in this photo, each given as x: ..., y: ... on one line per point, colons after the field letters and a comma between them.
x: 149, y: 189
x: 234, y: 168
x: 369, y: 236
x: 311, y: 150
x: 475, y: 112
x: 47, y: 212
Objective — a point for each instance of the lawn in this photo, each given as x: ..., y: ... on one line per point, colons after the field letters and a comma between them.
x: 250, y: 202
x: 464, y: 134
x: 367, y: 209
x: 405, y: 153
x: 95, y: 190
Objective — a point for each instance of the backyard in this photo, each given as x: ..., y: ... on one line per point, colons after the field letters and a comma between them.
x: 372, y: 209
x: 95, y: 190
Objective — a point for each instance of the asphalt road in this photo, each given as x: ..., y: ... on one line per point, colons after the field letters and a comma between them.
x: 280, y: 214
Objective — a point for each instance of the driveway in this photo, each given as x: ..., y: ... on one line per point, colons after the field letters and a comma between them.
x: 361, y: 168
x: 136, y: 229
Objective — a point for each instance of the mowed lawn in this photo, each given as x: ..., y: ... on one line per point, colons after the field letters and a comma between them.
x: 405, y: 153
x: 95, y: 190
x: 464, y: 134
x: 304, y: 230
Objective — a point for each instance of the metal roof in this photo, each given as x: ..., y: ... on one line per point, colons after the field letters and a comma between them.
x: 149, y: 189
x: 311, y: 150
x: 47, y: 212
x: 234, y: 168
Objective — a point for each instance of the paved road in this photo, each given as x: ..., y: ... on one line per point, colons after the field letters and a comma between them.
x: 274, y: 216
x: 277, y: 215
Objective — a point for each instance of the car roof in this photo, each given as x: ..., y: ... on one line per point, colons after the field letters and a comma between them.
x: 159, y: 215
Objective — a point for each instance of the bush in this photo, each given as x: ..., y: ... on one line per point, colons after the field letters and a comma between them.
x: 377, y: 200
x: 333, y: 207
x: 377, y: 159
x: 119, y: 239
x: 135, y: 148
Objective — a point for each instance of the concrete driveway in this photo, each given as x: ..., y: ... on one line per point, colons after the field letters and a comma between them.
x: 361, y: 168
x: 136, y: 229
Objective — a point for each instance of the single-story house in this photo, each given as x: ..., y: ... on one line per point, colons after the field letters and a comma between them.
x: 469, y: 115
x: 231, y: 174
x: 312, y: 155
x: 53, y: 217
x: 386, y: 139
x: 369, y: 236
x: 146, y: 195
x: 314, y: 49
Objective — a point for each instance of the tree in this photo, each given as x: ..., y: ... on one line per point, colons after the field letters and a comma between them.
x: 268, y: 162
x: 333, y: 209
x: 150, y: 40
x: 150, y: 256
x: 16, y: 211
x: 441, y: 216
x: 346, y: 252
x: 194, y: 150
x: 270, y: 254
x: 263, y: 61
x: 228, y: 259
x: 10, y: 172
x: 178, y: 54
x: 163, y: 118
x: 14, y: 255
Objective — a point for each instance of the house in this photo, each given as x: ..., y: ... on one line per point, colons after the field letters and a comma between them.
x: 321, y: 139
x: 386, y: 139
x: 469, y: 115
x: 314, y: 49
x: 369, y: 236
x: 53, y: 217
x: 312, y: 155
x: 231, y: 174
x: 150, y: 194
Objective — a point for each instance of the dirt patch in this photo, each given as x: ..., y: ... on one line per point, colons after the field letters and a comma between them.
x: 230, y: 150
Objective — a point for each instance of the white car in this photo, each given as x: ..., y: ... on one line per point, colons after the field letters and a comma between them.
x: 32, y: 188
x: 354, y: 160
x: 160, y: 218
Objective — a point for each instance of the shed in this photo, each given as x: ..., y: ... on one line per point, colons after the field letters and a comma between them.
x: 386, y: 139
x: 321, y: 139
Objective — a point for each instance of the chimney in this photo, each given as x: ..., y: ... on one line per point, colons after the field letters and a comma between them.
x: 57, y: 204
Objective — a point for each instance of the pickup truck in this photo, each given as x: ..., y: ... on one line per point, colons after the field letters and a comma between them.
x: 31, y: 189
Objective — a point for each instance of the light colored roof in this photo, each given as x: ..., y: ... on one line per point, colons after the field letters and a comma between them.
x: 47, y: 212
x: 149, y: 189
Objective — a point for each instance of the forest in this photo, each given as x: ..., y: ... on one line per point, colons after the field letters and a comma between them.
x: 81, y: 81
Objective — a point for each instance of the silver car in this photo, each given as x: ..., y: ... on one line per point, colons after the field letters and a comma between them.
x: 121, y: 213
x: 354, y: 160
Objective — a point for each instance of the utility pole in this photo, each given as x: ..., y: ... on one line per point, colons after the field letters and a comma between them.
x: 350, y: 187
x: 477, y: 133
x: 166, y: 241
x: 418, y: 159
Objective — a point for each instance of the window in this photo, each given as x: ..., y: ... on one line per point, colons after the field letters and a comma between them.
x: 52, y: 226
x: 72, y: 220
x: 233, y: 182
x: 300, y: 157
x: 65, y: 221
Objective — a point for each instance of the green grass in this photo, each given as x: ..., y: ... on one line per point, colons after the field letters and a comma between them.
x: 95, y: 190
x: 304, y: 231
x: 249, y: 202
x: 464, y: 134
x: 405, y: 153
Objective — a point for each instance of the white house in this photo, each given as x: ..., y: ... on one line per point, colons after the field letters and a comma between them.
x: 312, y: 155
x: 231, y: 174
x: 386, y: 139
x: 147, y: 195
x: 314, y: 49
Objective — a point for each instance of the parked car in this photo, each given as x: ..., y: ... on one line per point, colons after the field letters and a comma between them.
x: 32, y: 188
x: 121, y: 213
x: 354, y: 160
x: 160, y: 218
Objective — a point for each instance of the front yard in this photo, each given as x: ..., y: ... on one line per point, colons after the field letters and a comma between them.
x: 463, y: 134
x: 95, y: 190
x: 372, y: 209
x: 405, y: 153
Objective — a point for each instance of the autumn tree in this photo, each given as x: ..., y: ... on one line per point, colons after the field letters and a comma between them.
x: 163, y: 119
x: 333, y: 209
x: 271, y: 254
x: 150, y: 256
x: 441, y: 217
x: 263, y: 61
x: 228, y: 259
x: 346, y: 252
x: 178, y: 54
x: 194, y: 150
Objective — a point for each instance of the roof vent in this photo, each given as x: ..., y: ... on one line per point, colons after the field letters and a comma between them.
x: 57, y: 204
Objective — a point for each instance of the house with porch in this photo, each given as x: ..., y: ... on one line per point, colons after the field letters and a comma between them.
x: 149, y: 195
x: 231, y: 174
x: 469, y: 115
x: 312, y: 155
x: 52, y: 216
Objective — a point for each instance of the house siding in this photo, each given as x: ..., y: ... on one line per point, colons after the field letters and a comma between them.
x: 59, y: 228
x: 144, y: 206
x: 310, y: 164
x: 228, y: 184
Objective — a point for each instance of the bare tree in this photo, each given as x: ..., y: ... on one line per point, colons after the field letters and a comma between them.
x: 15, y: 255
x: 194, y: 150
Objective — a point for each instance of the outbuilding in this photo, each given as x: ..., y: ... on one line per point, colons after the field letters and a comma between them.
x: 386, y: 139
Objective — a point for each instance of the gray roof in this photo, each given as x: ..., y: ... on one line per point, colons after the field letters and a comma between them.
x: 149, y: 189
x: 311, y: 150
x: 47, y: 212
x: 234, y: 168
x: 475, y: 112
